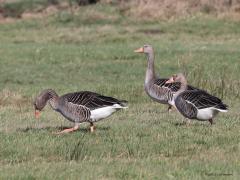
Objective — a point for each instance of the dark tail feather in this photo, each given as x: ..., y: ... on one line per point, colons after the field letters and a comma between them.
x: 222, y: 106
x: 124, y: 103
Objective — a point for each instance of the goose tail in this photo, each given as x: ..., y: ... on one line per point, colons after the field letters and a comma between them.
x: 222, y: 107
x: 121, y: 105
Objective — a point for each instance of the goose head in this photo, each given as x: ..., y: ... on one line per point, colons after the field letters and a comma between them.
x: 41, y: 101
x: 146, y: 49
x: 176, y: 78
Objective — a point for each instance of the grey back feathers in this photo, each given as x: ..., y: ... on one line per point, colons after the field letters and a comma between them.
x: 174, y: 87
x: 92, y: 100
x: 202, y: 99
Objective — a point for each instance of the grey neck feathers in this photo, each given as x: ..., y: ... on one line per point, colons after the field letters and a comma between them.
x: 52, y: 98
x: 183, y: 86
x: 150, y: 73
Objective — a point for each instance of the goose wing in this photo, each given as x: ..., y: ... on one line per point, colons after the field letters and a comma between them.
x: 160, y: 82
x: 171, y: 86
x: 174, y: 87
x: 92, y: 100
x: 201, y: 99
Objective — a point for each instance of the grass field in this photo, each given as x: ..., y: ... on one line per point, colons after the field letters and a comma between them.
x: 93, y: 50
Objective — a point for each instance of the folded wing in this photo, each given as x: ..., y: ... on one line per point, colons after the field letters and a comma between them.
x: 93, y: 100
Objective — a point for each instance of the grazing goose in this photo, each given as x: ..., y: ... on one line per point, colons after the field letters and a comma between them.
x: 156, y: 87
x: 79, y: 107
x: 196, y: 104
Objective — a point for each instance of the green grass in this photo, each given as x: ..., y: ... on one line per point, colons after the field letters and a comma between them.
x: 142, y: 142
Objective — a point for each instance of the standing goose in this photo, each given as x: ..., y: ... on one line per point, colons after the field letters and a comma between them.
x: 196, y: 104
x: 79, y: 107
x: 156, y: 87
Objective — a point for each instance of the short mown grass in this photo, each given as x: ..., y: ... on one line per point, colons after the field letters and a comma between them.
x: 142, y: 142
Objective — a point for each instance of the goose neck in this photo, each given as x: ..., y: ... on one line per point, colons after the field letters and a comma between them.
x: 150, y: 73
x: 183, y: 86
x: 53, y: 99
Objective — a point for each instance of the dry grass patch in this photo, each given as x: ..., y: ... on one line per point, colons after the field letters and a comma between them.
x: 8, y: 97
x: 168, y: 9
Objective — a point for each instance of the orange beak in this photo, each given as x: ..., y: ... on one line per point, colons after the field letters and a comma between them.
x: 169, y: 81
x: 37, y: 114
x: 140, y: 50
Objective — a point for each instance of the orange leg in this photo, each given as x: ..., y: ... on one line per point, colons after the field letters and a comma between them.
x: 76, y: 127
x: 92, y: 127
x: 169, y: 108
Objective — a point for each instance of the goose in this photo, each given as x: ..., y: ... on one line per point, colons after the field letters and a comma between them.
x: 196, y: 104
x: 78, y: 107
x: 156, y: 88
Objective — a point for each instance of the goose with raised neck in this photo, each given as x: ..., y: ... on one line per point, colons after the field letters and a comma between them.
x: 150, y: 72
x: 156, y: 87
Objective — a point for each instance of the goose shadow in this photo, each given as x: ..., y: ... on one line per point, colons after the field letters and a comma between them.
x: 60, y: 128
x: 192, y: 124
x: 179, y: 124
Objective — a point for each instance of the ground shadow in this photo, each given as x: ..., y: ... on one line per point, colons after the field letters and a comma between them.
x: 180, y: 124
x: 192, y: 124
x: 56, y: 129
